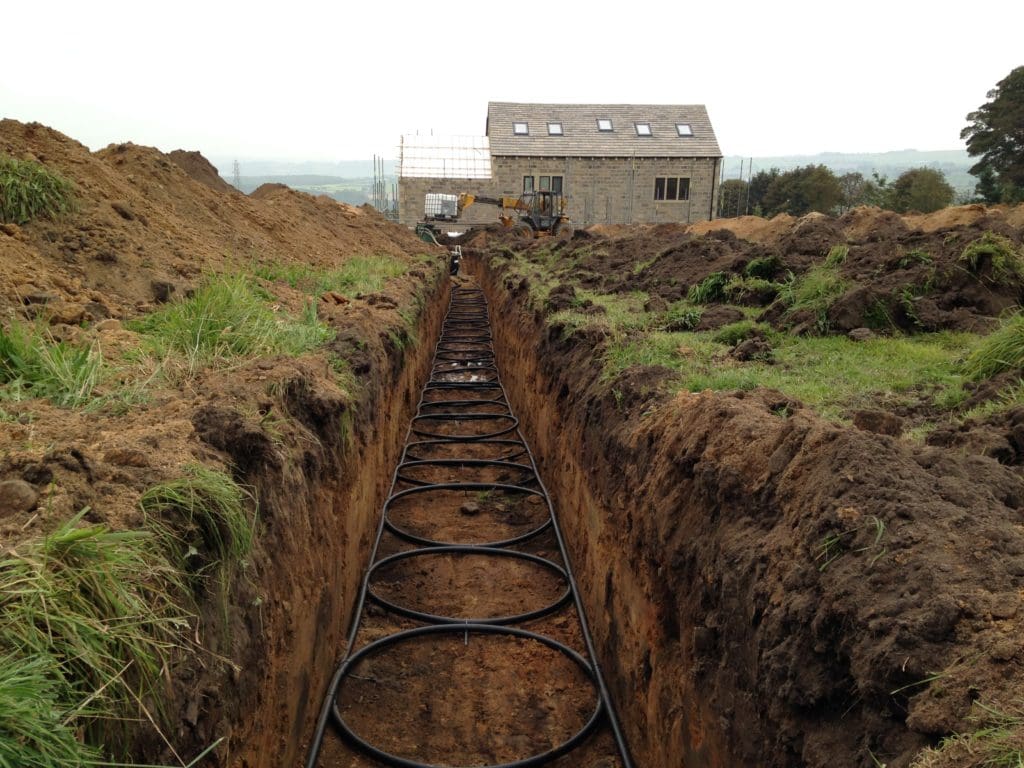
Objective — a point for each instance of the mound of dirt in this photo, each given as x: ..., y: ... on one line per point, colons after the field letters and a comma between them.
x: 147, y: 228
x: 200, y: 169
x: 144, y: 227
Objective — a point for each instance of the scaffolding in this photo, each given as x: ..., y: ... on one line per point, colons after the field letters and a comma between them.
x: 444, y: 157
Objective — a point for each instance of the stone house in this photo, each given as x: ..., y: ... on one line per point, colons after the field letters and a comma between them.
x: 615, y: 163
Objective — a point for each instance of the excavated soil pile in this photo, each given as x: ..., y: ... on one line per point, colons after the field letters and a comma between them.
x: 900, y: 273
x: 770, y: 588
x: 147, y: 229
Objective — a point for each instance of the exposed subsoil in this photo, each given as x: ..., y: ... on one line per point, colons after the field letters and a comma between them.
x: 469, y: 698
x: 768, y: 588
x: 147, y: 228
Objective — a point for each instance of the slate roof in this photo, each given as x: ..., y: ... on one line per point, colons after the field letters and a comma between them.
x: 581, y: 137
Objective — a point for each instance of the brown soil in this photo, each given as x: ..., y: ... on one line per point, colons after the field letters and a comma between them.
x: 904, y: 274
x: 146, y: 229
x: 770, y: 589
x: 468, y: 698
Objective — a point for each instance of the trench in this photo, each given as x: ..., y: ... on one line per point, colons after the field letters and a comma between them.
x: 470, y: 645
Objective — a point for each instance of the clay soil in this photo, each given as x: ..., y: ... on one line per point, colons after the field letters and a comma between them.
x: 467, y: 698
x: 775, y: 589
x: 147, y: 229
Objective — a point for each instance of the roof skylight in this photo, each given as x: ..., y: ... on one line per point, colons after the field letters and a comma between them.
x: 643, y: 129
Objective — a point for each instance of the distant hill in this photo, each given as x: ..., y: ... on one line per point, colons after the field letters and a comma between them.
x: 954, y: 163
x: 346, y: 169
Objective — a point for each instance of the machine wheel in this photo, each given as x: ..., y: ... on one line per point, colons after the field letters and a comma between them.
x: 523, y: 231
x: 563, y: 230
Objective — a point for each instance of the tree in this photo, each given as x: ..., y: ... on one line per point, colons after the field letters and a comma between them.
x: 921, y: 189
x: 853, y: 187
x: 996, y: 134
x: 759, y: 185
x: 732, y: 199
x: 802, y: 190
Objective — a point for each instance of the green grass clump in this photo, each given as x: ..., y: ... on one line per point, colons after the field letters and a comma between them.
x: 710, y: 289
x: 1005, y: 258
x: 228, y: 318
x: 741, y: 289
x: 95, y: 613
x: 29, y: 190
x: 913, y: 257
x: 837, y: 255
x: 360, y: 274
x: 1002, y: 350
x: 33, y: 730
x: 681, y: 316
x: 203, y: 515
x: 998, y: 741
x: 815, y: 292
x: 32, y: 364
x: 763, y: 267
x: 734, y: 333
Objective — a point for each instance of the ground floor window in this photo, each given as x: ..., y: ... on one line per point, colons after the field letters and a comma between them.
x: 527, y: 184
x: 671, y: 188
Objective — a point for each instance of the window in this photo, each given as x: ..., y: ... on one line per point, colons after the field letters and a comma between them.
x: 520, y: 129
x: 643, y: 129
x: 684, y: 129
x: 671, y: 188
x: 556, y: 184
x: 554, y: 129
x: 604, y: 124
x: 527, y: 184
x: 545, y: 183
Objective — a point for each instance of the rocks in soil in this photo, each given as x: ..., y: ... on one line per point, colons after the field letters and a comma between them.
x: 861, y: 334
x: 879, y: 422
x: 470, y: 508
x: 17, y: 497
x: 162, y: 291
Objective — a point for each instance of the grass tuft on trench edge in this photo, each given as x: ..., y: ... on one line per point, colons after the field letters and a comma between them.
x: 229, y: 318
x: 89, y: 618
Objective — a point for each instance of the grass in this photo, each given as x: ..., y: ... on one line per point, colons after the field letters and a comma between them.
x: 831, y: 374
x: 998, y: 741
x: 32, y: 364
x: 33, y: 729
x: 710, y: 289
x: 203, y: 517
x: 94, y: 615
x: 29, y: 190
x: 227, y: 319
x: 360, y: 274
x: 763, y: 267
x: 815, y: 292
x: 1002, y: 350
x: 1005, y: 258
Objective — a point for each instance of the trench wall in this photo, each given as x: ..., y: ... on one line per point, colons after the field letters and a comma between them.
x: 641, y: 646
x: 321, y: 508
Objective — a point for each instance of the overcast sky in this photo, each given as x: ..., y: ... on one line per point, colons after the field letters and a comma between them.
x: 342, y: 80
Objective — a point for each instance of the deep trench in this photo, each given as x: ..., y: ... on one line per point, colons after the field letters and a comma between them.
x: 661, y: 717
x: 469, y: 645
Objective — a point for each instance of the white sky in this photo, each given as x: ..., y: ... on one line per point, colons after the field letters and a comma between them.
x: 336, y: 81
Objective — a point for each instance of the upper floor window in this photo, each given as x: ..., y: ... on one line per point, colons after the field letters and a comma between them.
x: 604, y: 124
x: 684, y: 129
x: 520, y: 129
x: 643, y: 129
x: 554, y: 129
